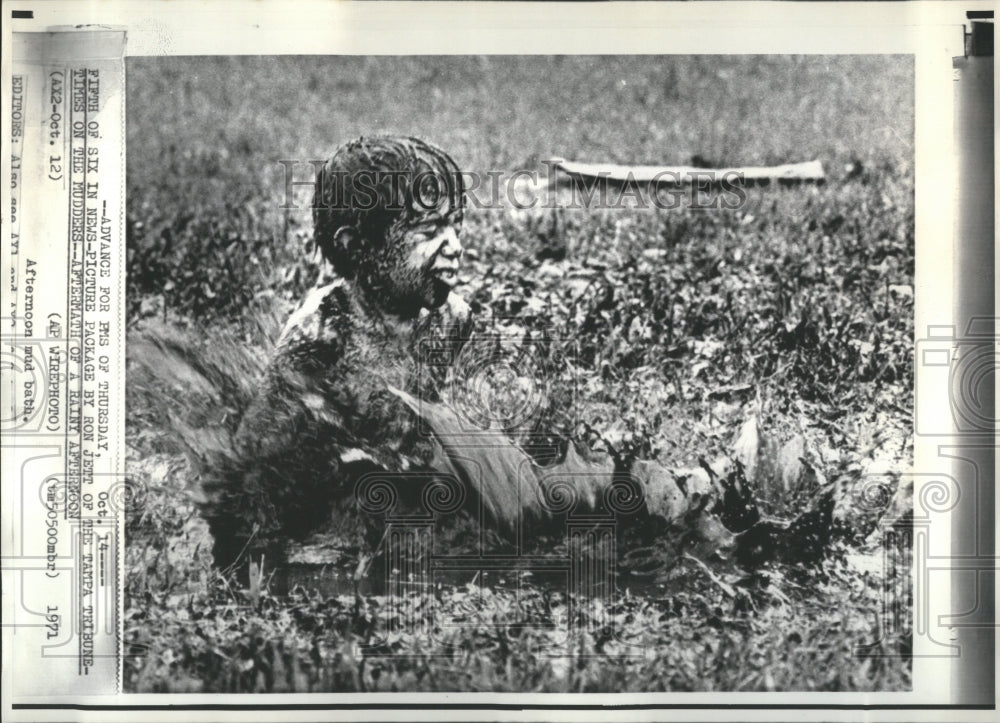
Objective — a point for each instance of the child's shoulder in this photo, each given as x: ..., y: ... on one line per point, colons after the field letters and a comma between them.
x: 323, y: 315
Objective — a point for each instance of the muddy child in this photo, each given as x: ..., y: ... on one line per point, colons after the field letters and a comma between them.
x: 349, y: 419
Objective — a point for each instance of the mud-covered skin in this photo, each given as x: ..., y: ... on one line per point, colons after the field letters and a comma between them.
x: 324, y: 418
x: 332, y: 365
x: 399, y: 274
x: 373, y: 187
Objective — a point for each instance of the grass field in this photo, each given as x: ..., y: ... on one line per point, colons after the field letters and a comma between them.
x: 801, y: 298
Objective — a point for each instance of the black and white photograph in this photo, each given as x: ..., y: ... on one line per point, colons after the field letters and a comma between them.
x: 519, y: 373
x: 498, y: 361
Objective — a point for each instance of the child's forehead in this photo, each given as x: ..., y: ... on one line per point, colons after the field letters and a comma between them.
x: 431, y: 219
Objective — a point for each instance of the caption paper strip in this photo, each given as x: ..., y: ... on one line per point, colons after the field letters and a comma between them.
x: 63, y: 349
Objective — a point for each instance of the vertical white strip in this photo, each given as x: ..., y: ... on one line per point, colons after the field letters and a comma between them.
x: 63, y: 348
x: 934, y: 326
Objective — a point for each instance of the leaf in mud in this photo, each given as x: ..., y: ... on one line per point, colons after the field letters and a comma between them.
x: 746, y: 448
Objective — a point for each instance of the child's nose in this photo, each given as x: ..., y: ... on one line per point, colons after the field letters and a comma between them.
x: 452, y: 247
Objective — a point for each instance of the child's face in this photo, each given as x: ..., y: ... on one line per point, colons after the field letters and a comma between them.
x: 423, y: 263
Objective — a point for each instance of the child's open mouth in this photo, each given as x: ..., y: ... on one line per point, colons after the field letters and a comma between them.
x: 448, y: 275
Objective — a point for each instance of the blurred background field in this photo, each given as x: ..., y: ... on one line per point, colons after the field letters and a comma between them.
x: 678, y: 320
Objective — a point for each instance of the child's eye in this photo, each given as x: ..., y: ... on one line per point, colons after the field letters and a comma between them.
x: 426, y: 234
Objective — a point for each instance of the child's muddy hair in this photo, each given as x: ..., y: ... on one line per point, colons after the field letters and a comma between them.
x: 375, y: 186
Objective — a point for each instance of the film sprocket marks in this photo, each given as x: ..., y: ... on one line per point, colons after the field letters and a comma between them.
x: 63, y: 347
